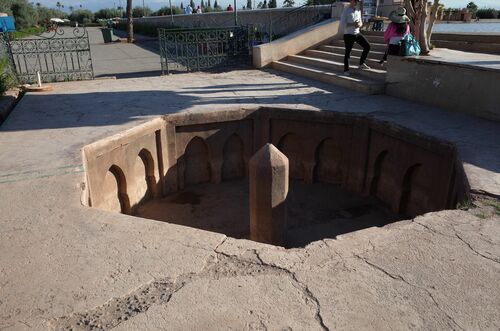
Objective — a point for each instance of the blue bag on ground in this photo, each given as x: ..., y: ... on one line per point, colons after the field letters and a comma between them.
x: 409, y: 46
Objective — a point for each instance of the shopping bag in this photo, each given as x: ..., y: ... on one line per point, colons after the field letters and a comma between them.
x: 409, y: 46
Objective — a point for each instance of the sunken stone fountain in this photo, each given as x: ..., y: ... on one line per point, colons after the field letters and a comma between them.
x: 280, y: 176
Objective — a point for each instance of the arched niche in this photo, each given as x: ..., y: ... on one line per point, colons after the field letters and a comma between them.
x: 233, y: 166
x: 328, y: 157
x: 292, y: 147
x: 196, y: 159
x: 115, y: 194
x: 378, y: 166
x: 144, y: 186
x: 409, y: 202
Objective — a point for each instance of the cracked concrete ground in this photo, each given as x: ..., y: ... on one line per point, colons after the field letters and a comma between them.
x: 65, y: 266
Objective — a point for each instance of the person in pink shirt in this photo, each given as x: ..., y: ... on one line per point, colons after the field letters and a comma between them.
x: 396, y: 30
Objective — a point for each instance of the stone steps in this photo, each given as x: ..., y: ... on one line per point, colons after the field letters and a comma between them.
x: 339, y: 57
x: 326, y: 63
x: 375, y: 39
x: 377, y: 47
x: 373, y: 74
x: 355, y: 52
x: 361, y: 84
x: 372, y: 33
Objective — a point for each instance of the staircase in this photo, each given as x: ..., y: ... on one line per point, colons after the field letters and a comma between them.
x: 326, y: 63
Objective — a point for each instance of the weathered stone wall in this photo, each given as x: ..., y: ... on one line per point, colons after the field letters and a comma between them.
x: 126, y: 169
x: 452, y: 86
x: 278, y: 21
x: 468, y: 42
x: 294, y: 43
x: 410, y: 173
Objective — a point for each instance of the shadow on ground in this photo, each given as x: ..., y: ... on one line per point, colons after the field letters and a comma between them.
x: 57, y: 111
x: 315, y: 211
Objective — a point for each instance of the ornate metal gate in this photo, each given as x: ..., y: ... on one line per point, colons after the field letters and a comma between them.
x: 203, y: 48
x: 56, y: 55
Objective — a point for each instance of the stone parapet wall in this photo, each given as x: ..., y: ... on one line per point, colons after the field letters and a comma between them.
x: 468, y: 42
x: 294, y: 43
x: 452, y: 86
x: 409, y: 172
x: 278, y: 21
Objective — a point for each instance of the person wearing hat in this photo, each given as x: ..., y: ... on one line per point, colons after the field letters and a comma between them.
x: 396, y: 30
x: 350, y: 23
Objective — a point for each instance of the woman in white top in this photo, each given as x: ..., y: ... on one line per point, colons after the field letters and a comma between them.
x: 351, y: 22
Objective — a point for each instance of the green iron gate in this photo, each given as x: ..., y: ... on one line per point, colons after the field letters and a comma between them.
x: 203, y: 48
x: 63, y: 54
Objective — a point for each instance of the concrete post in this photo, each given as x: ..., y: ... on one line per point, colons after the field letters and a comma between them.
x: 268, y: 175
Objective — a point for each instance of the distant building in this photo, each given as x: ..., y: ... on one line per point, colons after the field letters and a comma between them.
x: 456, y: 15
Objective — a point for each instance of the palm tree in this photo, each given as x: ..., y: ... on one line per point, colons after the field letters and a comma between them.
x: 59, y: 5
x: 130, y: 27
x: 71, y: 8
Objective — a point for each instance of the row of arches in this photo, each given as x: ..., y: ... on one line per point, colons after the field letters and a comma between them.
x: 402, y: 189
x: 197, y: 166
x: 123, y: 192
x: 327, y: 163
x: 405, y: 193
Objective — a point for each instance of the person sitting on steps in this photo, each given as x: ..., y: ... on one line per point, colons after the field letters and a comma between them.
x: 396, y: 30
x: 351, y: 23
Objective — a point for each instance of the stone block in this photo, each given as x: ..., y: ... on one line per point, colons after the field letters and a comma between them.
x: 268, y: 175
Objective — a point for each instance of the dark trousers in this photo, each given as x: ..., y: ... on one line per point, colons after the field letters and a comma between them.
x: 391, y: 50
x: 349, y: 40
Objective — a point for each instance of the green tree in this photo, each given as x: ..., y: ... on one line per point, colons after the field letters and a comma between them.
x: 209, y: 4
x: 163, y: 11
x: 202, y: 5
x: 486, y: 13
x: 191, y: 3
x: 182, y: 6
x: 25, y: 15
x: 272, y: 4
x: 82, y: 16
x: 45, y: 14
x: 288, y: 3
x: 140, y: 11
x: 249, y: 4
x: 106, y: 13
x: 472, y: 7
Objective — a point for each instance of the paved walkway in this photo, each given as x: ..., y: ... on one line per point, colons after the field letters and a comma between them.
x: 487, y: 61
x: 63, y: 264
x: 121, y: 59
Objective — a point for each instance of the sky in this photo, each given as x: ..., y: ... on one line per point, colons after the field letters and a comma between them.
x: 95, y: 5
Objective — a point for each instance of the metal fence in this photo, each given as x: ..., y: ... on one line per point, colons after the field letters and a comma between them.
x: 203, y: 48
x: 62, y: 54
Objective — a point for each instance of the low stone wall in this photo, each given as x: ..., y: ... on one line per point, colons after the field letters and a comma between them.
x: 294, y: 43
x: 455, y: 87
x: 126, y: 169
x: 468, y: 42
x: 409, y: 172
x: 277, y: 21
